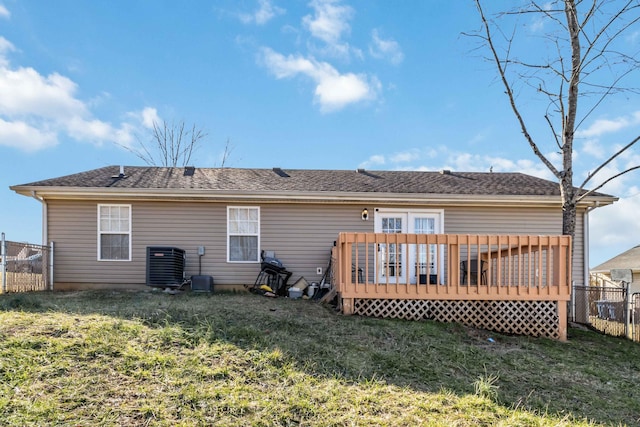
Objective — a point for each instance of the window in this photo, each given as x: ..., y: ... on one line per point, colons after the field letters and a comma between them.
x: 114, y: 232
x: 243, y: 232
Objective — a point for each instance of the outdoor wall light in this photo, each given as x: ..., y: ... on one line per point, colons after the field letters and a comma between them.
x: 365, y: 214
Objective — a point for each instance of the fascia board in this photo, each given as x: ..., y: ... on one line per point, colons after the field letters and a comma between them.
x: 77, y: 193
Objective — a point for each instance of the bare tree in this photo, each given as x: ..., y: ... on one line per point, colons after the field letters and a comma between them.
x: 580, y: 58
x: 170, y: 144
x: 228, y: 148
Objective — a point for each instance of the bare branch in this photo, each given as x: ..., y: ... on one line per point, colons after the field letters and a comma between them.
x: 609, y: 160
x: 228, y: 148
x: 488, y: 38
x: 589, y: 65
x: 553, y: 131
x: 593, y: 190
x: 603, y: 30
x: 170, y: 144
x: 609, y: 90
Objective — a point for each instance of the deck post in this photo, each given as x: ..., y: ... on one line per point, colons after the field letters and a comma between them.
x: 562, y: 320
x: 347, y: 306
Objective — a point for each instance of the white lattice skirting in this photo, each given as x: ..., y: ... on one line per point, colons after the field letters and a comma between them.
x: 532, y: 318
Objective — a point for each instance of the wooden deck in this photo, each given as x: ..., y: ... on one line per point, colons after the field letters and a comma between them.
x: 518, y: 284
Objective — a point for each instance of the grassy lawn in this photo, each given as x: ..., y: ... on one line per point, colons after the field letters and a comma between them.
x: 149, y: 358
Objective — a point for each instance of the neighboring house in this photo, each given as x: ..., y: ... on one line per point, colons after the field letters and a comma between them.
x: 628, y: 260
x: 611, y: 302
x: 103, y: 220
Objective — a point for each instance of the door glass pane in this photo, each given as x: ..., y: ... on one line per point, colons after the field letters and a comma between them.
x: 426, y: 253
x: 391, y: 254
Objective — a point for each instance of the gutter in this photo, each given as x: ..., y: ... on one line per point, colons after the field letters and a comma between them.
x: 300, y: 197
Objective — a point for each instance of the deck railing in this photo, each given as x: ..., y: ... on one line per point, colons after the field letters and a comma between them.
x: 478, y: 269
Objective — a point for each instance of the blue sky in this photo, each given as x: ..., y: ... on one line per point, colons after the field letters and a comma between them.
x: 322, y: 84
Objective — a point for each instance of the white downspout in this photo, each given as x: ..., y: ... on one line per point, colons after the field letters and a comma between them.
x: 45, y: 222
x: 585, y: 252
x: 45, y: 229
x: 45, y: 235
x: 585, y: 224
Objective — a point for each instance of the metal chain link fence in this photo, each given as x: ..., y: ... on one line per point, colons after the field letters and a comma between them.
x: 608, y: 309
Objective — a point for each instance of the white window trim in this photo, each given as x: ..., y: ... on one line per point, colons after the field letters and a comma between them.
x: 99, y: 232
x: 409, y: 212
x: 229, y: 234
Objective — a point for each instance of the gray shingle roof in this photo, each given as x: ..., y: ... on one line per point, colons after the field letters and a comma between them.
x: 308, y: 181
x: 626, y: 260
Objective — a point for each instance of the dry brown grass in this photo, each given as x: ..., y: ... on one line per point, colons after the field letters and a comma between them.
x: 147, y: 358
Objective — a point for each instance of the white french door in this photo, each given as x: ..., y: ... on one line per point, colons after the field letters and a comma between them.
x: 391, y: 262
x: 401, y: 263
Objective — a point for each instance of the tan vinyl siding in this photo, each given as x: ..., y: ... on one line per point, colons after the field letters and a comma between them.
x: 300, y: 234
x: 73, y: 228
x: 503, y: 221
x: 533, y: 221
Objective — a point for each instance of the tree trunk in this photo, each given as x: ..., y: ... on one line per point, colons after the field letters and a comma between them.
x: 569, y: 212
x: 568, y: 194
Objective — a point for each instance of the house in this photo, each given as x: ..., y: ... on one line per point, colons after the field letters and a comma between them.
x: 628, y: 260
x: 103, y: 220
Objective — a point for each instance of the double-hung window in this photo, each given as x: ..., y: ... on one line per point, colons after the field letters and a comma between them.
x: 243, y: 234
x: 114, y: 232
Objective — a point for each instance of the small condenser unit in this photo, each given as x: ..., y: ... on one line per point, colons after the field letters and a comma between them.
x: 165, y: 267
x: 202, y: 283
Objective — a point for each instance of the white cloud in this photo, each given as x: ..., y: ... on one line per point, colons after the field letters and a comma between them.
x: 539, y: 20
x: 25, y: 91
x: 593, y: 148
x: 327, y: 25
x: 604, y: 126
x: 483, y: 163
x: 97, y: 131
x: 385, y: 49
x: 5, y: 47
x: 333, y: 91
x: 18, y: 134
x: 266, y: 11
x: 374, y: 160
x: 35, y: 110
x: 441, y: 157
x: 4, y: 12
x: 149, y: 117
x: 405, y: 156
x: 330, y: 22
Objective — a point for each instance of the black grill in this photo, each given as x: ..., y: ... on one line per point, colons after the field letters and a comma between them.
x: 273, y: 274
